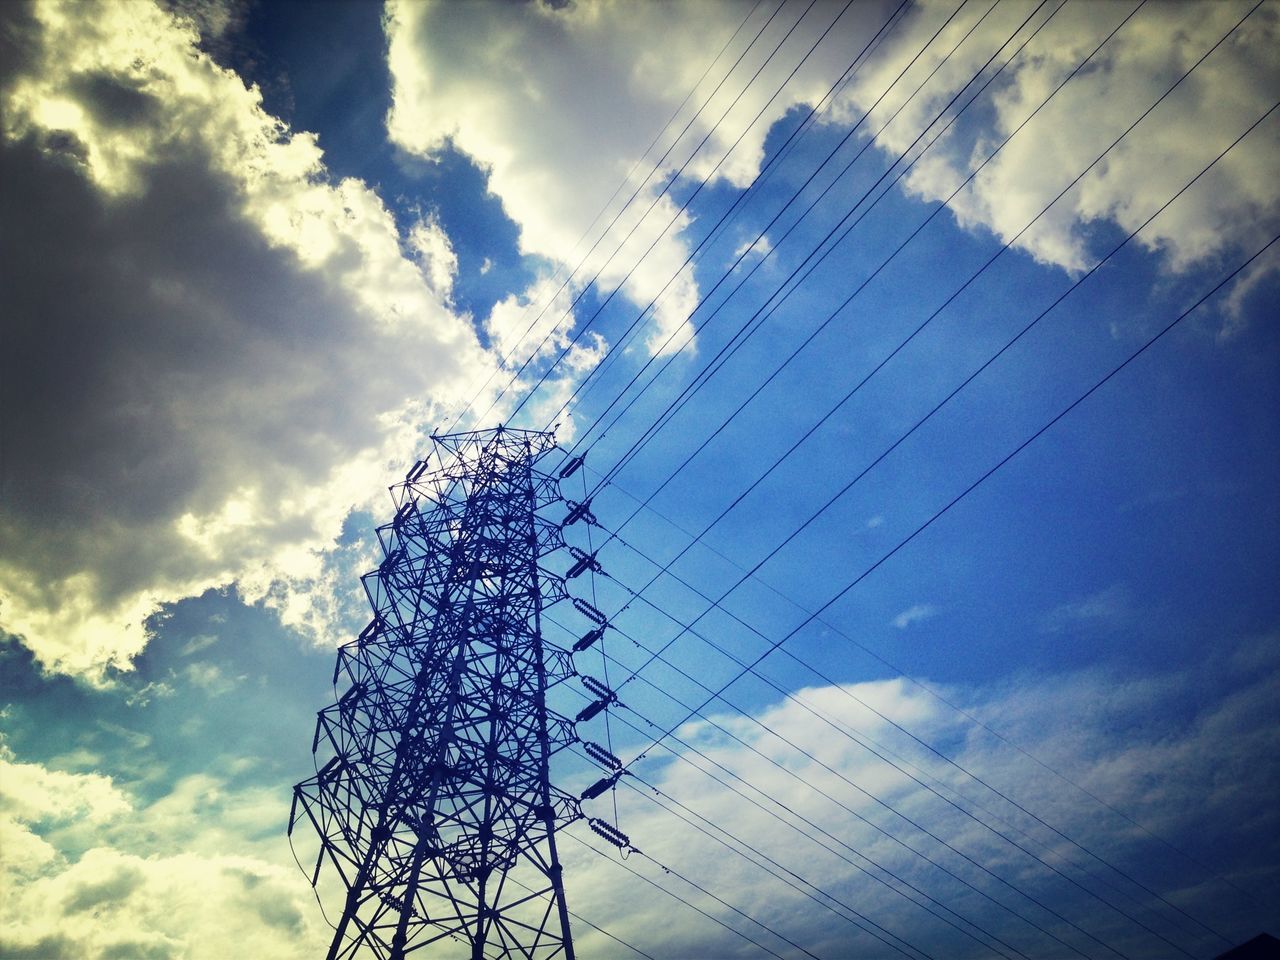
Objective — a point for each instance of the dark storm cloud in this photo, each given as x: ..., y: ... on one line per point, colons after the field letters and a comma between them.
x: 211, y: 351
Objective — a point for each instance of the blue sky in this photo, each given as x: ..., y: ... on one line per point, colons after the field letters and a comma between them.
x: 254, y: 254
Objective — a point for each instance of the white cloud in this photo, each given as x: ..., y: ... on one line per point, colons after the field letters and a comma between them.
x: 1107, y: 607
x: 1192, y: 777
x: 210, y: 678
x: 180, y: 906
x: 435, y: 255
x: 1234, y: 208
x: 213, y: 351
x: 582, y: 357
x: 558, y: 101
x: 759, y: 247
x: 205, y: 862
x: 1250, y: 282
x: 136, y: 739
x: 31, y: 794
x: 74, y: 888
x: 914, y: 614
x: 523, y: 324
x: 526, y: 322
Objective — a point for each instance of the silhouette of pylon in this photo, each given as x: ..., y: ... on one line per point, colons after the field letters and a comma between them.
x: 433, y: 804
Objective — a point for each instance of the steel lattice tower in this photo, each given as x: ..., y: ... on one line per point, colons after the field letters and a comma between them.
x: 434, y: 807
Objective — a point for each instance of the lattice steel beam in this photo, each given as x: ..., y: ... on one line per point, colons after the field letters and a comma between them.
x: 433, y: 804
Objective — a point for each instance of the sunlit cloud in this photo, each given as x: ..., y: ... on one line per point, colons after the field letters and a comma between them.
x: 1229, y: 91
x: 252, y: 351
x: 914, y: 614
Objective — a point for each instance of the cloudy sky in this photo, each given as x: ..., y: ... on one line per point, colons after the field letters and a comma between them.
x: 925, y: 360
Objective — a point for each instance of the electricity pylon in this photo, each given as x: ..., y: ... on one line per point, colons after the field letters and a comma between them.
x: 435, y: 808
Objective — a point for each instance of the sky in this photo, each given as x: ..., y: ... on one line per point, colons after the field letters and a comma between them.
x: 924, y: 358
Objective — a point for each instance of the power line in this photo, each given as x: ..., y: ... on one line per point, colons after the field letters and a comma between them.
x: 856, y: 920
x: 744, y: 197
x: 758, y: 319
x: 981, y: 479
x: 692, y: 906
x: 857, y: 736
x: 827, y: 834
x: 903, y: 674
x: 876, y: 749
x: 457, y: 416
x: 913, y: 822
x: 879, y: 801
x: 608, y: 478
x: 809, y: 263
x: 969, y: 489
x: 787, y: 204
x: 652, y: 205
x: 739, y: 339
x: 935, y: 409
x: 690, y: 748
x: 903, y: 344
x: 1091, y: 272
x: 771, y: 167
x: 955, y: 391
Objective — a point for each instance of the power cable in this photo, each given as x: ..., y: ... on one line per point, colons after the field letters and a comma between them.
x: 756, y: 266
x: 969, y: 489
x: 739, y: 339
x: 903, y: 343
x: 929, y: 415
x: 877, y: 749
x: 856, y: 920
x: 1051, y: 421
x: 587, y: 383
x: 817, y: 790
x: 569, y: 313
x: 902, y: 673
x: 690, y: 749
x: 675, y: 896
x: 758, y: 319
x: 458, y: 415
x: 981, y: 479
x: 937, y: 407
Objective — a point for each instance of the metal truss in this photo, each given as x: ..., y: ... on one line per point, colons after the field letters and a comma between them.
x: 434, y: 807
